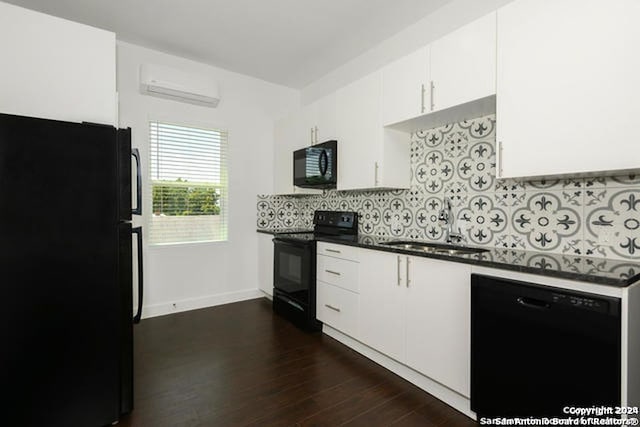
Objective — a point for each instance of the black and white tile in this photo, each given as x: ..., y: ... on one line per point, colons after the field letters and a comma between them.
x: 616, y: 216
x: 561, y: 216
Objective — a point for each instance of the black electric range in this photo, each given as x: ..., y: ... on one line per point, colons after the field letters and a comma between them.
x: 294, y: 266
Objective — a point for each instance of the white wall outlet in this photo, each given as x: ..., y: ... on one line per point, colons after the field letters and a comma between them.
x: 605, y: 237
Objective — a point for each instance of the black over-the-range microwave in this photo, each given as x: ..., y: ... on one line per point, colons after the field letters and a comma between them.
x: 316, y: 166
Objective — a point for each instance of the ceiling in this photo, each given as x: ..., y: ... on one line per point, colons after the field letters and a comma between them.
x: 289, y: 42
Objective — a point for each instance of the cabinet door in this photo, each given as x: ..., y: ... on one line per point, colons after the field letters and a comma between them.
x: 56, y: 69
x: 463, y: 64
x: 567, y: 87
x: 437, y: 327
x: 382, y: 300
x: 308, y: 124
x: 405, y: 92
x: 360, y: 133
x: 338, y: 308
x: 319, y: 121
x: 326, y: 118
x: 287, y: 136
x: 286, y: 132
x: 265, y: 263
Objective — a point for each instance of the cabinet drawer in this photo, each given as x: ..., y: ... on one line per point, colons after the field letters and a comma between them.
x: 337, y: 308
x: 338, y: 251
x: 338, y: 272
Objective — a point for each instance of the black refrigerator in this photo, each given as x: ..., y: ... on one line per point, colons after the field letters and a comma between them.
x: 66, y: 346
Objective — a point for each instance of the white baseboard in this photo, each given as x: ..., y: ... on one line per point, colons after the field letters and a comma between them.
x: 448, y: 396
x: 201, y: 302
x: 266, y: 294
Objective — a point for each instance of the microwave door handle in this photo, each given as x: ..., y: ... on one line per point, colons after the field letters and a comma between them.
x: 323, y: 162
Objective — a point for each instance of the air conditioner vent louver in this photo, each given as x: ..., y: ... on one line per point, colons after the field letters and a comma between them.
x: 165, y: 82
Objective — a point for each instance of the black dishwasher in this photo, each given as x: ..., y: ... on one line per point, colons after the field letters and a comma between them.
x: 536, y: 349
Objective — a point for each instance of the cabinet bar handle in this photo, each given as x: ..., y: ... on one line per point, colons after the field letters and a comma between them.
x: 332, y: 308
x: 333, y: 250
x: 407, y: 280
x: 311, y: 136
x: 316, y: 128
x: 376, y: 175
x: 431, y: 95
x: 398, y: 263
x: 499, y: 159
x: 422, y: 99
x: 333, y: 272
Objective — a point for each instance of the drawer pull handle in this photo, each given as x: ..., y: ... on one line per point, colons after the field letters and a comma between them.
x: 332, y: 250
x: 333, y: 272
x: 330, y: 307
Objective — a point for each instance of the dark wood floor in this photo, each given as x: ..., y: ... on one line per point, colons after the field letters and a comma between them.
x: 241, y: 365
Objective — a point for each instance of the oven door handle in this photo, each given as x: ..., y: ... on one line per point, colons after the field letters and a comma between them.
x: 293, y: 243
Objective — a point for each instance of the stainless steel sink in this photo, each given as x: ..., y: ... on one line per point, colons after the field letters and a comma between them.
x: 435, y: 248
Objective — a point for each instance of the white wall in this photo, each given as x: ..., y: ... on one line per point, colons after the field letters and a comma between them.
x: 204, y: 274
x: 444, y: 20
x: 55, y: 69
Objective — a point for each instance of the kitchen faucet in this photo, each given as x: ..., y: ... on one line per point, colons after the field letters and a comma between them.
x: 447, y: 221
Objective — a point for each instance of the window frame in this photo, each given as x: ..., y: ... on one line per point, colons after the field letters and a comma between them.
x: 223, y: 186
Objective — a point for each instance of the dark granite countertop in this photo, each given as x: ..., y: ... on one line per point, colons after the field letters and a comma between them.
x: 600, y: 271
x: 275, y: 231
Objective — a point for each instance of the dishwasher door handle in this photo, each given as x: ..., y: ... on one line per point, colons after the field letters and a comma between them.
x: 533, y: 303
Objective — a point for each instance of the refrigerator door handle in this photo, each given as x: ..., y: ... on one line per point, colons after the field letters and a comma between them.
x: 138, y: 209
x: 138, y: 232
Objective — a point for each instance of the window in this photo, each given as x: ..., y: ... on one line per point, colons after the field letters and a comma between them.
x: 188, y: 184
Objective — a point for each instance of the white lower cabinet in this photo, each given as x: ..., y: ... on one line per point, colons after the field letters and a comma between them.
x: 337, y: 308
x: 338, y: 272
x: 382, y: 303
x: 416, y: 311
x: 438, y: 332
x: 337, y: 284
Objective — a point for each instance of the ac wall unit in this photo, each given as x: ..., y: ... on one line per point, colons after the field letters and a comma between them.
x: 169, y: 83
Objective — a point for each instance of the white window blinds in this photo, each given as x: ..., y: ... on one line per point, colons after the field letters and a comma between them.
x: 188, y: 184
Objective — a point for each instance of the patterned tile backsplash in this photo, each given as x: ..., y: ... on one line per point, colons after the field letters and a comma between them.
x: 584, y: 216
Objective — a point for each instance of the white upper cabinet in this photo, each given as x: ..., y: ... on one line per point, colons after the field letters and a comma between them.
x: 568, y: 87
x: 358, y: 107
x: 287, y: 138
x: 450, y: 80
x: 463, y: 65
x: 56, y: 69
x: 286, y: 132
x: 368, y: 155
x: 405, y: 91
x: 319, y: 121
